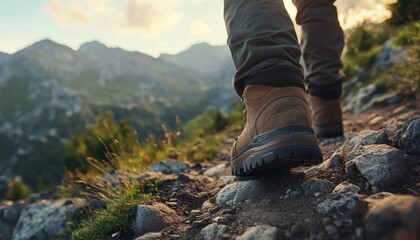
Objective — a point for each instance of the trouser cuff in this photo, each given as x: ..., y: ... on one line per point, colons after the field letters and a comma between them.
x: 275, y: 76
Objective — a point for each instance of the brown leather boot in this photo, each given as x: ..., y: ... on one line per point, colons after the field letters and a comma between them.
x: 277, y: 133
x: 326, y: 116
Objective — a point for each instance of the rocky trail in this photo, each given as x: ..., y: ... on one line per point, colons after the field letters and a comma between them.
x: 367, y: 188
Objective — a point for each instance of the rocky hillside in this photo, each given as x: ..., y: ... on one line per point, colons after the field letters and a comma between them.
x: 367, y: 187
x: 49, y: 92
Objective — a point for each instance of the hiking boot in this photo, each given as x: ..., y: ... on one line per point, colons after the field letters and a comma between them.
x: 277, y: 133
x: 326, y: 116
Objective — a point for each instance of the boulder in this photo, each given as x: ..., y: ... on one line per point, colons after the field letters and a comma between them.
x: 47, y: 219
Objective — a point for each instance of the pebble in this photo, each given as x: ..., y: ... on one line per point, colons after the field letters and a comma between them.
x: 237, y: 192
x: 331, y: 230
x: 313, y: 186
x: 169, y: 167
x: 213, y: 231
x: 346, y: 187
x: 259, y: 232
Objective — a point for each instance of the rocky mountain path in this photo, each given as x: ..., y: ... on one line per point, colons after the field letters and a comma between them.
x: 351, y: 195
x: 368, y: 187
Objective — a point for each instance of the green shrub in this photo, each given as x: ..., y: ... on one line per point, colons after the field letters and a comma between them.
x: 17, y: 189
x: 117, y: 217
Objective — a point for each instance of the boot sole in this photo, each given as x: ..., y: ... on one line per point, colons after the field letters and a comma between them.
x: 289, y: 146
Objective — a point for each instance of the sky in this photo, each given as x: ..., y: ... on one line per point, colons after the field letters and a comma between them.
x: 149, y: 26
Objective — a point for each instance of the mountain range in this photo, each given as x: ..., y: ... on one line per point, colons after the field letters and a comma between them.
x: 49, y: 92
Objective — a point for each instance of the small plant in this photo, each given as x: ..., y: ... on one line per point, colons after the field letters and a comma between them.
x: 17, y: 189
x: 117, y: 217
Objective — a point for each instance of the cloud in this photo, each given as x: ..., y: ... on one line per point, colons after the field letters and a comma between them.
x: 354, y: 12
x: 198, y: 2
x: 148, y: 18
x: 68, y: 15
x: 199, y: 28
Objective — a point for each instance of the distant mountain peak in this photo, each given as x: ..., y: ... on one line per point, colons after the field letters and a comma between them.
x: 93, y: 45
x: 46, y: 43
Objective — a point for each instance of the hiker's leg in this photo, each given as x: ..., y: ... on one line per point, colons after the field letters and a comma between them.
x: 269, y: 77
x: 263, y: 43
x: 322, y: 44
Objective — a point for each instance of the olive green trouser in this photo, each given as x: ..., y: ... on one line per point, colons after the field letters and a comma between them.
x: 265, y: 48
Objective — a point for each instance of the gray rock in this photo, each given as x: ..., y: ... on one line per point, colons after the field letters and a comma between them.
x: 335, y: 161
x: 312, y: 186
x: 409, y: 137
x: 153, y: 218
x: 47, y: 219
x: 366, y: 137
x: 341, y: 204
x: 169, y: 167
x: 259, y: 232
x: 237, y: 192
x: 217, y: 171
x: 11, y: 214
x: 357, y: 102
x: 397, y: 216
x: 213, y: 231
x: 346, y: 187
x: 388, y: 56
x: 150, y: 236
x: 381, y: 165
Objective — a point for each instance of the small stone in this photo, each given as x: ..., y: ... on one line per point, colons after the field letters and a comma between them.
x: 341, y: 204
x: 213, y: 231
x: 259, y: 232
x: 394, y: 216
x: 216, y: 219
x: 115, y: 235
x: 409, y: 137
x: 343, y: 222
x: 169, y: 167
x: 312, y: 186
x: 237, y: 192
x: 381, y: 164
x: 217, y: 171
x: 153, y: 218
x: 331, y: 230
x: 317, y: 194
x: 226, y: 179
x: 359, y: 233
x: 150, y: 236
x: 376, y: 189
x: 298, y: 231
x: 346, y: 187
x: 295, y: 193
x: 207, y: 205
